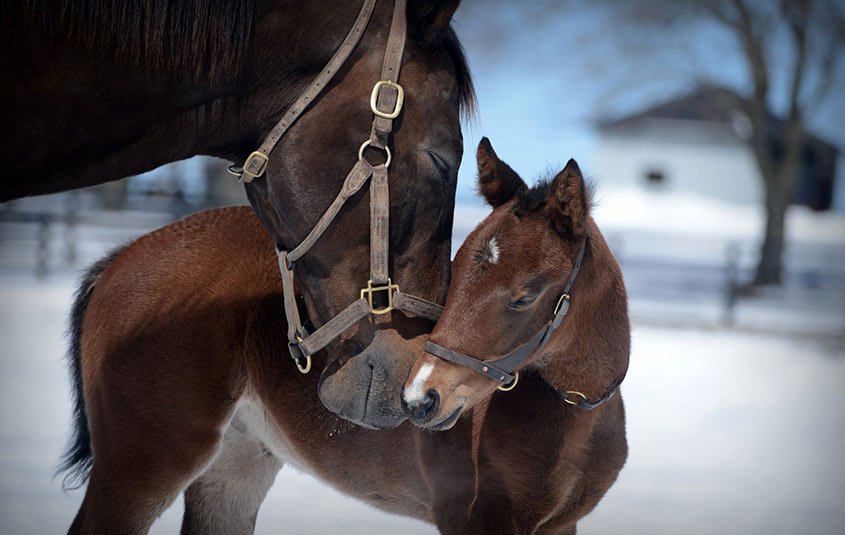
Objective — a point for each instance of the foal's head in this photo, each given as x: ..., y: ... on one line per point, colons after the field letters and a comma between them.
x: 507, y: 280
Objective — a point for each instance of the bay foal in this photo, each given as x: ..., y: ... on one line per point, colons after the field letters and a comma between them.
x: 536, y: 286
x: 179, y: 358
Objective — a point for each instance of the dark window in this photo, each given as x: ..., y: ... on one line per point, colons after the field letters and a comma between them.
x: 654, y: 176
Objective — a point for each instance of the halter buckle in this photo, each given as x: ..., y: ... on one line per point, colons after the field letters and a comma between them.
x: 390, y: 288
x: 255, y: 165
x: 400, y: 99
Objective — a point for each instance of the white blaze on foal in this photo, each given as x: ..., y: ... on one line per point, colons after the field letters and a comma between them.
x: 415, y: 393
x: 489, y: 252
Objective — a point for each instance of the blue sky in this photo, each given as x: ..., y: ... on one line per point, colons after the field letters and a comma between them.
x: 543, y: 76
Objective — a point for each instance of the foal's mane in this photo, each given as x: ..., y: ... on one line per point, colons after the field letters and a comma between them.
x: 202, y: 38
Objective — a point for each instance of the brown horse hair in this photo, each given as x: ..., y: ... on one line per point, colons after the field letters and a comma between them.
x: 202, y: 38
x: 76, y: 462
x: 206, y: 39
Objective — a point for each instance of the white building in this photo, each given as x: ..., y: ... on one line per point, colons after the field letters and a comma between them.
x: 697, y: 144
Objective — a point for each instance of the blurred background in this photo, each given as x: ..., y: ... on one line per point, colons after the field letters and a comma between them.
x: 713, y: 132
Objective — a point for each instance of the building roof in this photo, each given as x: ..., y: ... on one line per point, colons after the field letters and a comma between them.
x: 706, y: 107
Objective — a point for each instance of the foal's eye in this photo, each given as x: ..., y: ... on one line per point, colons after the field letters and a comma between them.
x: 522, y: 302
x: 442, y: 167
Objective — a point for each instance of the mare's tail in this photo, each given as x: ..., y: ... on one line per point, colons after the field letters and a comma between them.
x: 77, y: 460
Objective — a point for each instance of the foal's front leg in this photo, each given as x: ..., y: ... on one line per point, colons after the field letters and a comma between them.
x: 225, y: 499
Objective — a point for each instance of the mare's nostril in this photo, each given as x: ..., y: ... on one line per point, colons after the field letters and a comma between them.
x: 421, y: 409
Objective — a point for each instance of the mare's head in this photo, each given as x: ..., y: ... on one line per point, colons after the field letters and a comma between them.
x: 365, y: 368
x: 507, y: 279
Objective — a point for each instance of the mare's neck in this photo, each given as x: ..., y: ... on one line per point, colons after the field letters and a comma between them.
x: 81, y: 118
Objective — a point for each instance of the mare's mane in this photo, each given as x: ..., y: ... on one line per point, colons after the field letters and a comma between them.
x: 200, y: 38
x: 203, y: 39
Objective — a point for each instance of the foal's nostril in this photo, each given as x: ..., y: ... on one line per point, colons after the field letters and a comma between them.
x: 422, y: 409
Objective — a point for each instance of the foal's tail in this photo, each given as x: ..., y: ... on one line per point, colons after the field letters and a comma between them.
x: 78, y: 458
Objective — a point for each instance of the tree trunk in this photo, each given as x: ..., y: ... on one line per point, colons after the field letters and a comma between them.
x: 770, y: 266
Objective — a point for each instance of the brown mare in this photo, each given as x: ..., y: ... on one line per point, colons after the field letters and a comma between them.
x: 107, y: 89
x: 179, y: 353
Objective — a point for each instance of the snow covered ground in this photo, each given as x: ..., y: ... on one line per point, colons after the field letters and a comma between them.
x: 729, y: 432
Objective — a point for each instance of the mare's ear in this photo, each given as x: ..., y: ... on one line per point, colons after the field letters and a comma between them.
x: 497, y: 182
x: 568, y: 202
x: 430, y: 17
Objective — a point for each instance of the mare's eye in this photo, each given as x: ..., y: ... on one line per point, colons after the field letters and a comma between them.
x: 442, y: 167
x: 522, y: 302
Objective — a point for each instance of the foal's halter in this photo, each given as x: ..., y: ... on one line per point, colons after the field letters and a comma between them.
x: 386, y: 102
x: 502, y: 369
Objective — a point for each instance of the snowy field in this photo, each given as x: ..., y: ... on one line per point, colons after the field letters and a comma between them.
x: 729, y: 432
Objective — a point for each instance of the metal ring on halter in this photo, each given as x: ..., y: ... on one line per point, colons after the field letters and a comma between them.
x: 364, y: 146
x: 307, y: 368
x: 235, y: 170
x: 508, y: 387
x: 575, y: 392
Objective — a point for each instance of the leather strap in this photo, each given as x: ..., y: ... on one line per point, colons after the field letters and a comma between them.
x: 582, y: 402
x: 388, y: 95
x: 379, y: 225
x: 358, y: 175
x: 488, y: 369
x: 349, y: 316
x: 417, y: 306
x: 256, y: 163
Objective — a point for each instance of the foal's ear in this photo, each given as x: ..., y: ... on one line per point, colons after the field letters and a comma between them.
x: 497, y: 182
x: 568, y: 202
x: 429, y: 17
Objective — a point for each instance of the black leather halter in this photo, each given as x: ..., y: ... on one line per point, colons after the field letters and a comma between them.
x: 502, y: 369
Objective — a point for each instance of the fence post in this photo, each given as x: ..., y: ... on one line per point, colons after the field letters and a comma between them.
x: 43, y: 246
x: 731, y: 285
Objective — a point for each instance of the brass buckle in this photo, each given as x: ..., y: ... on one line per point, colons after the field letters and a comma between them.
x: 389, y: 288
x: 574, y: 392
x: 560, y: 302
x: 400, y: 98
x: 366, y: 144
x: 250, y: 162
x: 509, y: 387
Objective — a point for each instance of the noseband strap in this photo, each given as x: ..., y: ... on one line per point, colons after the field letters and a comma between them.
x: 386, y: 103
x: 502, y: 370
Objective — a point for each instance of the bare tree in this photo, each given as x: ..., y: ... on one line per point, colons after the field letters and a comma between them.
x: 789, y: 47
x: 816, y: 36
